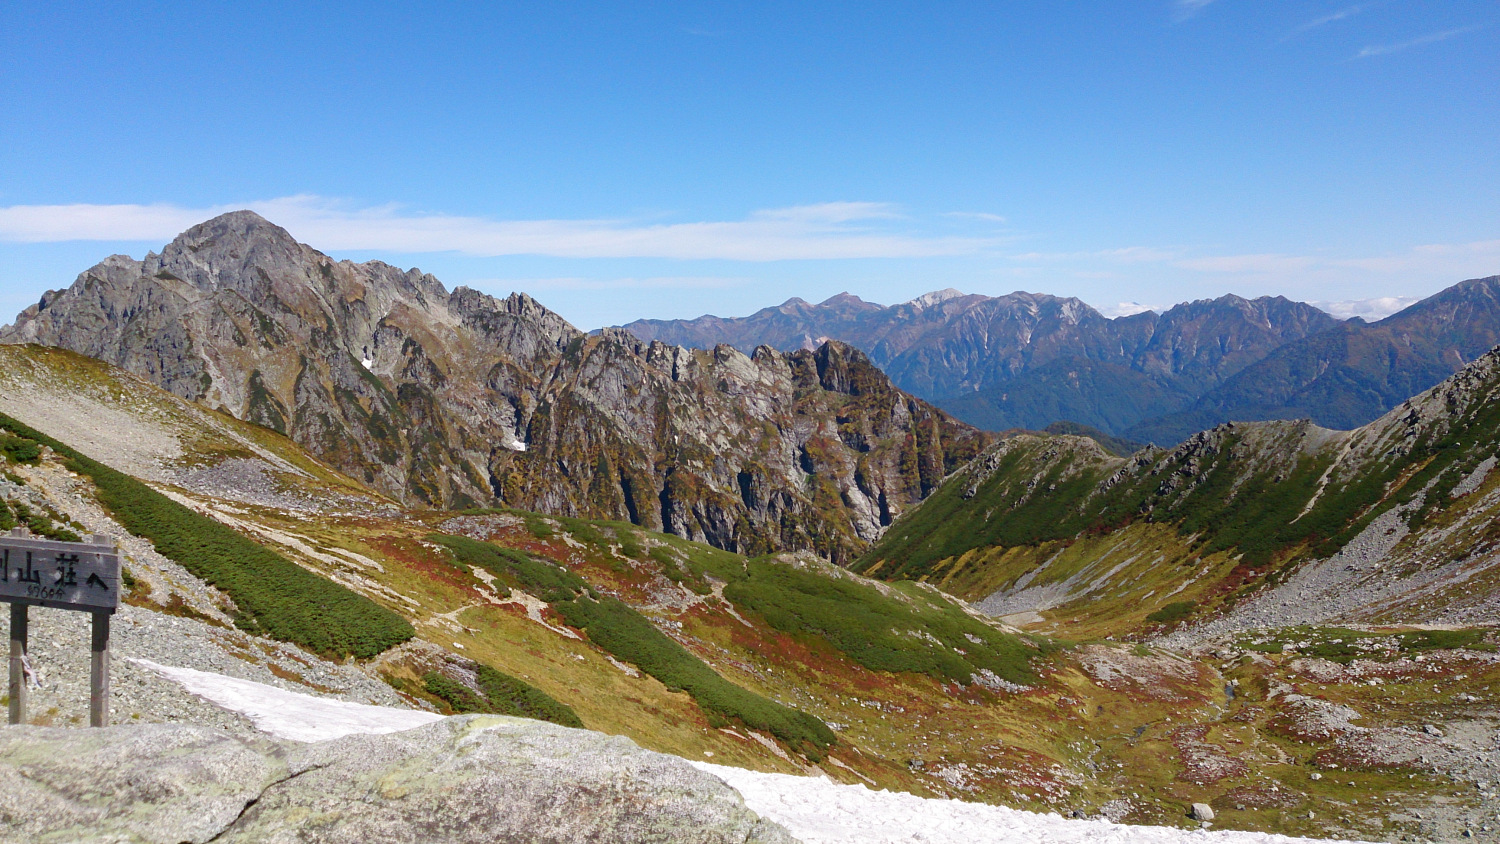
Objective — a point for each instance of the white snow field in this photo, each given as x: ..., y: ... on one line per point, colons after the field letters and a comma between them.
x: 820, y: 811
x: 290, y: 715
x: 814, y: 809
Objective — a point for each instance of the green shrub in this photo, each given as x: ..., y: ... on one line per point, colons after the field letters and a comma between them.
x: 513, y: 696
x: 42, y: 524
x: 19, y: 449
x: 539, y: 527
x: 1439, y: 640
x: 460, y: 698
x: 541, y: 578
x: 584, y: 532
x: 620, y: 630
x: 273, y: 595
x: 630, y: 542
x: 922, y: 635
x: 500, y: 694
x: 1172, y: 612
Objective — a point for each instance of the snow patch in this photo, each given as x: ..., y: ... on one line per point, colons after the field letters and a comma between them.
x: 289, y: 715
x: 819, y: 811
x: 936, y: 296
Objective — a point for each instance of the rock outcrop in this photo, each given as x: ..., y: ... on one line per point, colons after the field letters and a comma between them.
x: 459, y: 399
x: 463, y: 779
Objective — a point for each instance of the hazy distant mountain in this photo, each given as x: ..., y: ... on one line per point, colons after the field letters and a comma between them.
x: 457, y: 399
x: 1025, y: 360
x: 1346, y: 377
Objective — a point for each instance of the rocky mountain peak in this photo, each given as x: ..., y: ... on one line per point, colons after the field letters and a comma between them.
x: 217, y: 250
x: 463, y: 399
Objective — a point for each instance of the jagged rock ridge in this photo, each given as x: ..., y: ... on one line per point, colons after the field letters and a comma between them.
x: 460, y: 399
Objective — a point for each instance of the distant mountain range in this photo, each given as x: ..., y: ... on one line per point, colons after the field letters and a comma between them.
x: 1026, y: 360
x: 457, y: 399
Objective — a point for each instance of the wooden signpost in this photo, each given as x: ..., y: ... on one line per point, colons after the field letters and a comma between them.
x: 82, y: 576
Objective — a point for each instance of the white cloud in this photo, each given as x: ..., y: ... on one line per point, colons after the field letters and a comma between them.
x: 1370, y: 310
x: 1121, y: 309
x: 809, y: 232
x: 1387, y: 49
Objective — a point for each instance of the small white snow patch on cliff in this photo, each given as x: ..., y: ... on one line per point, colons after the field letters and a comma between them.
x: 936, y: 296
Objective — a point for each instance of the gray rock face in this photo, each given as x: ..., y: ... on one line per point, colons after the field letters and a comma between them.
x: 465, y: 779
x: 460, y: 399
x: 156, y: 783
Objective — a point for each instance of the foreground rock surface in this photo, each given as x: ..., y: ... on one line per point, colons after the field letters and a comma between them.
x: 463, y: 779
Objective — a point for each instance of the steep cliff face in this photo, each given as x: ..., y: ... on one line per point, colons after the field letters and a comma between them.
x: 461, y: 399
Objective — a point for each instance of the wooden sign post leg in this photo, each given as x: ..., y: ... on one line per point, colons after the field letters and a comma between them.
x: 18, y: 663
x: 99, y: 672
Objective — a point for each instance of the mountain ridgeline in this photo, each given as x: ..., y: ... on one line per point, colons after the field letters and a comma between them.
x: 457, y: 399
x: 1026, y: 360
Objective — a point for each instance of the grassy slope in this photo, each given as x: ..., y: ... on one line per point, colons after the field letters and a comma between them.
x: 273, y: 596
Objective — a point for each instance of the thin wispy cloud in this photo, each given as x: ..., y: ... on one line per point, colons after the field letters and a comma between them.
x: 1249, y: 264
x: 1454, y: 260
x: 1480, y: 256
x: 826, y: 231
x: 1122, y: 255
x: 1189, y: 8
x: 628, y: 283
x: 1332, y: 17
x: 1433, y: 38
x: 978, y: 215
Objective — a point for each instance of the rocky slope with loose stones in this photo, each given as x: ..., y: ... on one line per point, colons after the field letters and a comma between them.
x: 458, y: 399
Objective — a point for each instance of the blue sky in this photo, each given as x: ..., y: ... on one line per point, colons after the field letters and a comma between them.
x: 621, y: 160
